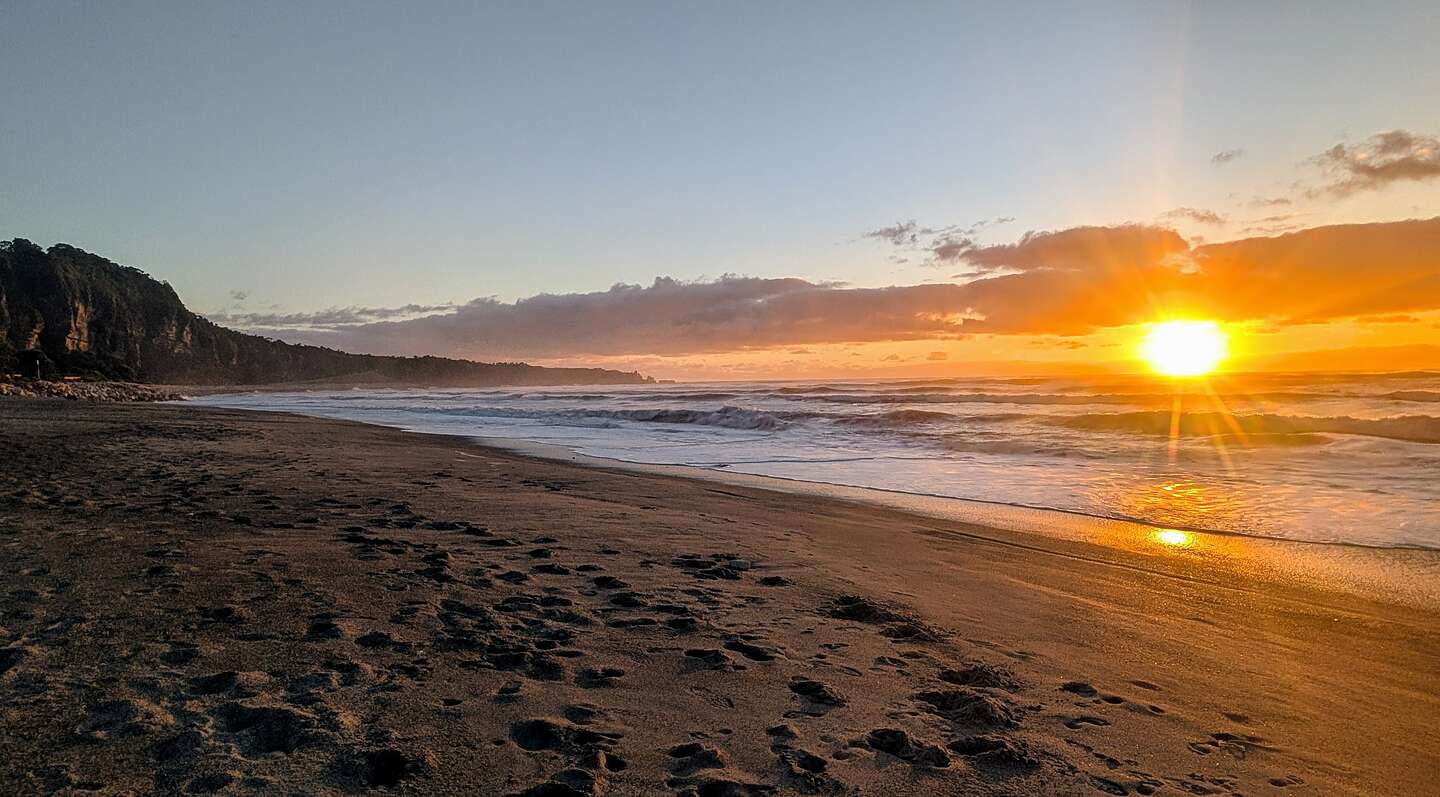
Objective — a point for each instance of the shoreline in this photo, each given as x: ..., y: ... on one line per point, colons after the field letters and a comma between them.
x: 1409, y: 575
x: 337, y: 606
x: 1321, y: 499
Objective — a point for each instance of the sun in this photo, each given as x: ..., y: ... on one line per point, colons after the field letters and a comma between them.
x: 1185, y: 348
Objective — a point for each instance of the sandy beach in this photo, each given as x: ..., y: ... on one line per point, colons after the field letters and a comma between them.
x: 216, y: 601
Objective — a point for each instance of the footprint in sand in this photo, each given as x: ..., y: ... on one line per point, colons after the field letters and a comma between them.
x: 898, y: 743
x: 1077, y: 723
x: 751, y: 651
x: 598, y: 677
x: 628, y: 600
x: 982, y: 675
x: 707, y: 658
x: 583, y: 713
x: 995, y: 752
x: 385, y: 767
x: 694, y: 756
x: 263, y: 729
x: 816, y: 697
x: 969, y: 707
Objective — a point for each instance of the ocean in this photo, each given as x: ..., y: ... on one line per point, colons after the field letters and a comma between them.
x: 1352, y: 459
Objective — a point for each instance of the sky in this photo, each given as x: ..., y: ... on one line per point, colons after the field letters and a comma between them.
x: 435, y: 177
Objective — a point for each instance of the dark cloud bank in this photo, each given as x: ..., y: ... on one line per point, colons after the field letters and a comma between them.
x: 1066, y: 282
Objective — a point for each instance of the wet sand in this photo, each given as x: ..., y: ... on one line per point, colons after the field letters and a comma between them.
x: 211, y: 601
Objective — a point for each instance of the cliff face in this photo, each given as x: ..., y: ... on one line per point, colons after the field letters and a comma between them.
x: 92, y: 317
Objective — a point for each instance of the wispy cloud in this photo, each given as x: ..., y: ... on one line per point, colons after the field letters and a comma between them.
x: 1274, y: 224
x: 1225, y: 156
x: 334, y: 317
x: 901, y: 233
x: 1198, y: 215
x: 939, y: 245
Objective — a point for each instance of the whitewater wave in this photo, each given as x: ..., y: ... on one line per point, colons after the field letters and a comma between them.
x: 1261, y: 428
x: 728, y: 417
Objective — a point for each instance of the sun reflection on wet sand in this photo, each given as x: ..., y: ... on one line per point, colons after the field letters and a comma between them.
x: 1179, y: 502
x: 1174, y: 538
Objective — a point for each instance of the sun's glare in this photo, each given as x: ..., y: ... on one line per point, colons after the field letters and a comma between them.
x: 1172, y: 537
x: 1185, y: 348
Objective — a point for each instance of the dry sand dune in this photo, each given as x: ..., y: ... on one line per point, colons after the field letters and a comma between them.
x: 200, y: 601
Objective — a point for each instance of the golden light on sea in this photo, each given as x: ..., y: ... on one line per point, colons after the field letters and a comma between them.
x: 1185, y: 348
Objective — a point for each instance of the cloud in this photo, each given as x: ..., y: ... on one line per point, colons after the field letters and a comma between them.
x: 332, y: 318
x: 901, y: 233
x: 1225, y: 156
x: 668, y: 317
x: 1080, y: 249
x: 239, y: 296
x: 936, y: 356
x: 1383, y: 159
x: 1066, y: 282
x: 1270, y: 202
x: 1273, y: 225
x: 1197, y: 215
x: 1325, y: 273
x: 942, y: 245
x: 1393, y: 318
x: 949, y: 248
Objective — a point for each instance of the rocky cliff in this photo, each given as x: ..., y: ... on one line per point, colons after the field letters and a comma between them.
x: 91, y: 317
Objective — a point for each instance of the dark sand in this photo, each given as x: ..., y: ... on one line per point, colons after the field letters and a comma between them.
x: 205, y: 601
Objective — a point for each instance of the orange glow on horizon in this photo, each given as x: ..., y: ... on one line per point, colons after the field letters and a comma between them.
x: 1361, y: 344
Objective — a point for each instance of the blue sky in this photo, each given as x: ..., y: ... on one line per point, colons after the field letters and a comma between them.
x: 320, y: 154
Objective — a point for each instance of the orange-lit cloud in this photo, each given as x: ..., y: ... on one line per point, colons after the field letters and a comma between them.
x: 1070, y: 282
